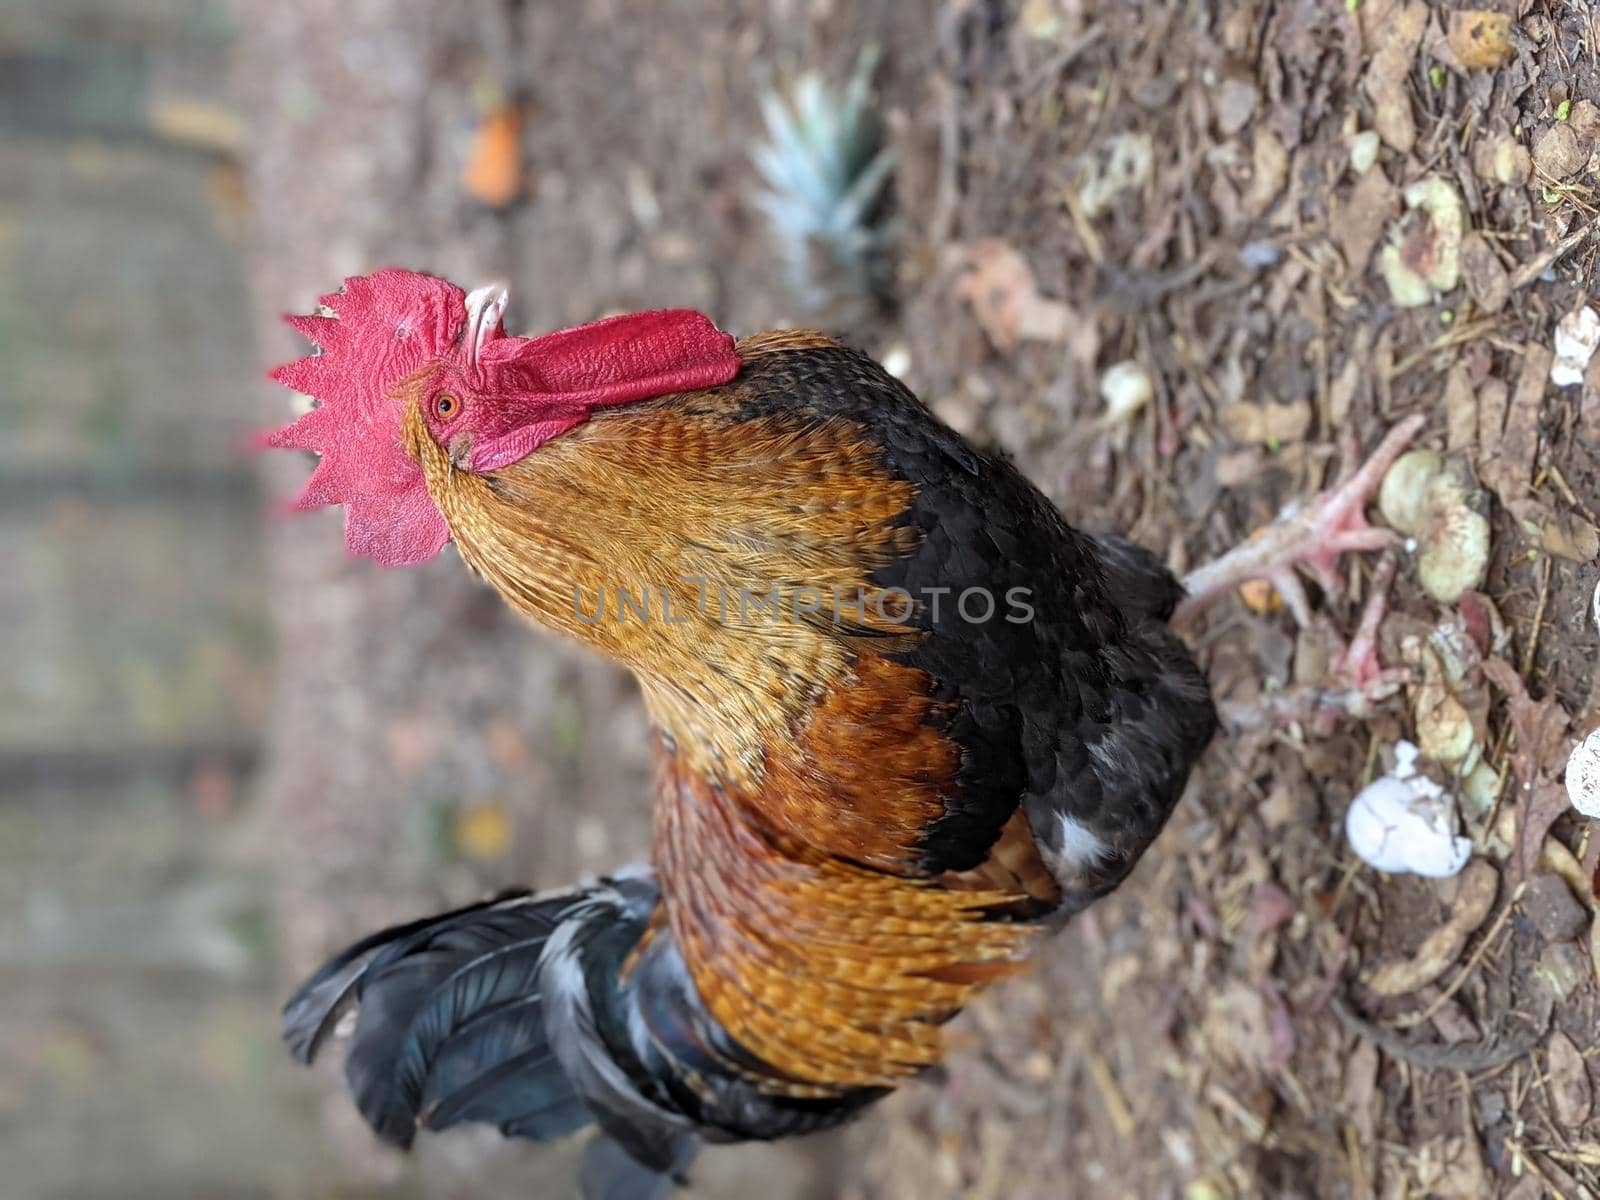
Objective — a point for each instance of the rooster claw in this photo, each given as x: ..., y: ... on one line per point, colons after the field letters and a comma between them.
x: 1358, y: 681
x: 1313, y: 534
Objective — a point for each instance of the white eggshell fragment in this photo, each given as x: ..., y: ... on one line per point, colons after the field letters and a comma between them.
x: 1583, y: 776
x: 1577, y: 335
x: 1126, y: 388
x: 1405, y: 822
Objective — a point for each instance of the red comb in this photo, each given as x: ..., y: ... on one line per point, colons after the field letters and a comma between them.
x: 385, y: 326
x: 524, y: 391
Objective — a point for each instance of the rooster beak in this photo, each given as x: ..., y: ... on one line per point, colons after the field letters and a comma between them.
x: 485, y: 307
x: 459, y: 452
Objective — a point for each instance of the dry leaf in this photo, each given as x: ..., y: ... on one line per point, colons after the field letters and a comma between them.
x: 1487, y: 281
x: 1234, y: 103
x: 1362, y: 1102
x: 1570, y: 1092
x: 1460, y: 404
x: 1594, y: 938
x: 1269, y: 172
x: 1267, y: 424
x: 1500, y: 158
x: 1481, y: 40
x: 1542, y: 751
x: 1474, y: 899
x: 1359, y: 223
x: 1260, y: 597
x: 1569, y: 536
x: 1450, y: 1168
x: 1395, y: 37
x: 483, y: 831
x: 1540, y: 725
x: 1000, y: 287
x: 1507, y: 460
x: 492, y: 173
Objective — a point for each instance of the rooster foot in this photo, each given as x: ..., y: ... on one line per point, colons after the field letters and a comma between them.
x: 1357, y: 681
x: 1314, y: 533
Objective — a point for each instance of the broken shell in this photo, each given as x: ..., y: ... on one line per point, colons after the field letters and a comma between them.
x: 1444, y: 730
x: 1126, y: 388
x: 1423, y: 258
x: 1422, y: 498
x: 1405, y: 822
x: 1583, y: 776
x: 1597, y: 607
x: 1577, y: 335
x: 1400, y: 496
x: 1481, y: 788
x: 1454, y: 539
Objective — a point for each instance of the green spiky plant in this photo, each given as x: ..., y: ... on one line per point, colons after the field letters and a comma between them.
x: 826, y: 170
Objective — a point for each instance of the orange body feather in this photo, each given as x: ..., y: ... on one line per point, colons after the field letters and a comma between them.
x: 799, y: 768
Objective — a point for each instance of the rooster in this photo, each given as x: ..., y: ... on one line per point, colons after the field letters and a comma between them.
x: 906, y: 719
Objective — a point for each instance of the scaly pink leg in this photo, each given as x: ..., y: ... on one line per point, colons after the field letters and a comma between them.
x: 1358, y: 663
x: 1357, y: 681
x: 1315, y: 533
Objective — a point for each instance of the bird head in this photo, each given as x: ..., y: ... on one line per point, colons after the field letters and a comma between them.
x: 404, y: 355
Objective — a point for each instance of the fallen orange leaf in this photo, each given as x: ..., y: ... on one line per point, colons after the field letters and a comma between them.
x: 493, y: 170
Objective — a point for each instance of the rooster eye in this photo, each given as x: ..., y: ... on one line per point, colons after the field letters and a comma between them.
x: 446, y: 405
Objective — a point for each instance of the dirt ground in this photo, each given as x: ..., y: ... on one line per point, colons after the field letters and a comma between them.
x: 1255, y: 1013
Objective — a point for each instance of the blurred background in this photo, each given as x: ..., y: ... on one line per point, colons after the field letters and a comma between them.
x: 226, y: 750
x: 216, y: 759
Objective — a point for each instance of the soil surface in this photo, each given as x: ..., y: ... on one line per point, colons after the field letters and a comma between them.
x: 1255, y: 1012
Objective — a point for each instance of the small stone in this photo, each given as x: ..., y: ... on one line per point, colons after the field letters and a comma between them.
x: 1364, y: 151
x: 1571, y: 1094
x: 1553, y: 909
x: 1236, y: 103
x: 1564, y: 969
x: 1559, y: 152
x: 1487, y: 281
x: 1584, y: 120
x: 1491, y: 1107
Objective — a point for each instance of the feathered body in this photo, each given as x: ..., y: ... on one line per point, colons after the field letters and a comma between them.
x: 906, y: 718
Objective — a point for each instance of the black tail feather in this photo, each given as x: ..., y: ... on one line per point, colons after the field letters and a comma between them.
x: 518, y: 1012
x: 451, y: 1024
x: 313, y: 1011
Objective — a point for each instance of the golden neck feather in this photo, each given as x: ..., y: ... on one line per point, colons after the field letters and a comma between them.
x: 657, y: 534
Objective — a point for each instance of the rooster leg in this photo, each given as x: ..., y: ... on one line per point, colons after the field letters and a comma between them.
x: 1358, y: 662
x: 1314, y: 534
x: 1358, y: 682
